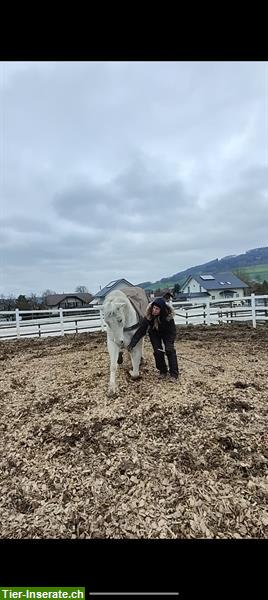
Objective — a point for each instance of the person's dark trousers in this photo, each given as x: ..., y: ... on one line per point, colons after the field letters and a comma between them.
x: 171, y: 356
x: 159, y: 355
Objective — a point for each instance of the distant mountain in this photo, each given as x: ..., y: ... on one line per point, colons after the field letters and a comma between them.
x: 251, y: 258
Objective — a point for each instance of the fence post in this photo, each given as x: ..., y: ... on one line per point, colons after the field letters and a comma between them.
x: 265, y: 304
x: 253, y: 310
x: 17, y: 322
x: 101, y: 319
x: 208, y: 320
x: 61, y: 321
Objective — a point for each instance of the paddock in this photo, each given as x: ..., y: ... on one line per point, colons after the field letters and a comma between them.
x: 161, y: 460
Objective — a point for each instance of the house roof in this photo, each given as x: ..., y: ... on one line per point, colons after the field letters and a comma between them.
x: 110, y: 286
x: 218, y: 281
x: 53, y: 299
x: 162, y: 292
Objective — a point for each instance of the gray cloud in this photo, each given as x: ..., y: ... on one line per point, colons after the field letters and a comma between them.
x: 137, y: 199
x: 23, y: 224
x: 125, y: 169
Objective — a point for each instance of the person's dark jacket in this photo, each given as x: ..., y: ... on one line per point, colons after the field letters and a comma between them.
x: 164, y: 324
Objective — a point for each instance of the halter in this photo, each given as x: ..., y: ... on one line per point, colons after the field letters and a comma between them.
x: 135, y: 326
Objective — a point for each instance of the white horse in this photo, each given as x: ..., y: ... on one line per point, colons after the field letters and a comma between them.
x: 122, y: 322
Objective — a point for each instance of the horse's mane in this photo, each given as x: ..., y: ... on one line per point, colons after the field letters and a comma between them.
x: 110, y: 301
x: 116, y: 295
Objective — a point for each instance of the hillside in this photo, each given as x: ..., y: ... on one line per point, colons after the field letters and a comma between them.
x: 254, y: 263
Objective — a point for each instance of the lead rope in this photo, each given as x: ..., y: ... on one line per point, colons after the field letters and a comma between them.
x: 217, y: 368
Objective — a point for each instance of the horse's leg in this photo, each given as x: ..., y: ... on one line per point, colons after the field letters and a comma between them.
x: 114, y: 353
x: 136, y: 359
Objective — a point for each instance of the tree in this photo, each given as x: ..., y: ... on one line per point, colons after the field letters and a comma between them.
x: 22, y: 303
x: 177, y: 288
x: 47, y: 293
x: 33, y: 301
x: 265, y: 287
x: 81, y: 289
x: 8, y: 302
x: 2, y: 302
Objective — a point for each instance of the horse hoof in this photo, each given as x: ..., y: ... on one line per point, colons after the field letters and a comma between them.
x: 133, y: 376
x: 120, y: 358
x: 112, y: 394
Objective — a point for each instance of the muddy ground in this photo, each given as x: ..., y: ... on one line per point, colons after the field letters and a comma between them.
x: 162, y: 460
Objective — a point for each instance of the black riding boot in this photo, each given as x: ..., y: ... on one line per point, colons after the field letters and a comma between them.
x: 173, y: 363
x: 160, y: 362
x: 159, y: 355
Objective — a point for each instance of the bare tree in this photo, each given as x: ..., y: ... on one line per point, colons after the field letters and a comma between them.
x: 8, y: 302
x: 47, y: 293
x: 33, y: 301
x: 81, y: 289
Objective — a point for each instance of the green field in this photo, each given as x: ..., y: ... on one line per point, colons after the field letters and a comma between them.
x: 159, y: 285
x: 257, y: 273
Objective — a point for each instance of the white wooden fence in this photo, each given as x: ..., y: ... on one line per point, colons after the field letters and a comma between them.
x: 43, y: 323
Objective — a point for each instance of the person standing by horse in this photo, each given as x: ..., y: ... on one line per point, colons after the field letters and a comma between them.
x: 160, y: 324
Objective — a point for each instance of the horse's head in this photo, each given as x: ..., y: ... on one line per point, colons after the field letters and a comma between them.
x: 114, y: 317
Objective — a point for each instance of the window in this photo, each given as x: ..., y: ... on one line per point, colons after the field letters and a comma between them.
x: 188, y: 289
x: 70, y: 304
x: 228, y: 282
x: 222, y: 282
x: 206, y: 277
x: 200, y: 288
x: 237, y: 295
x: 213, y: 297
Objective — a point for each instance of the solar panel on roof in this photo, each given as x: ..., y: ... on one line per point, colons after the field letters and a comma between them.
x: 207, y: 277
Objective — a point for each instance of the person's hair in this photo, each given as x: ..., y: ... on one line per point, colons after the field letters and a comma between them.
x: 164, y: 311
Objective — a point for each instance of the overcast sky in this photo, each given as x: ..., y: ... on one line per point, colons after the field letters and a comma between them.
x: 128, y: 169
